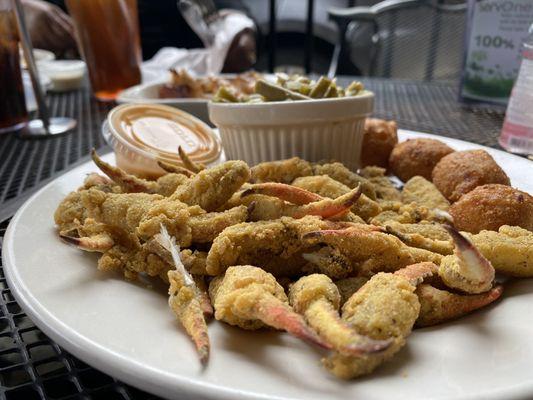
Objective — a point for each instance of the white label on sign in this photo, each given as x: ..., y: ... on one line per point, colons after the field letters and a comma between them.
x: 497, y: 30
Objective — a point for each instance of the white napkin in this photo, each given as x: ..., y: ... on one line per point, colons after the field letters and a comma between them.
x: 199, y: 62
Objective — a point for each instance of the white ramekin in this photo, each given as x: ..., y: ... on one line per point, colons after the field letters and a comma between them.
x: 311, y: 129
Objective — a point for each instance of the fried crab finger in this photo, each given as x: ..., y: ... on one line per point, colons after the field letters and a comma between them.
x: 206, y: 227
x: 129, y: 183
x: 467, y: 269
x: 187, y: 307
x: 317, y: 298
x: 212, y: 188
x: 384, y: 308
x: 329, y: 208
x: 284, y: 171
x: 251, y: 298
x: 98, y: 243
x: 174, y: 169
x: 368, y: 248
x: 186, y: 299
x: 438, y: 306
x: 190, y: 164
x: 292, y: 194
x: 510, y: 250
x: 430, y: 237
x: 342, y: 174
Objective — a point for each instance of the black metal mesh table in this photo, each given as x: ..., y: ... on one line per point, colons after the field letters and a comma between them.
x: 31, y: 365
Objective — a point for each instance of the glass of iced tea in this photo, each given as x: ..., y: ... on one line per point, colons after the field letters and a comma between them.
x: 108, y: 36
x: 13, y: 114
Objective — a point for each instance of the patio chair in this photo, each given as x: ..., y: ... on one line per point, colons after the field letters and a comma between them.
x: 411, y: 39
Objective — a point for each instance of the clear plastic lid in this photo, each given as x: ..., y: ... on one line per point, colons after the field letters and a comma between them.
x: 155, y: 132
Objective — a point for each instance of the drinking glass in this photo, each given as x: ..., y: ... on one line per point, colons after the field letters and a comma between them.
x: 107, y: 32
x: 13, y: 113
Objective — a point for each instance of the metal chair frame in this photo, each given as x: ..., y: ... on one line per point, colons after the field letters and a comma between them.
x: 343, y: 17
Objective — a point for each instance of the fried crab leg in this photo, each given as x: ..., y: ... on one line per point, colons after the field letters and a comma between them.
x: 384, y: 308
x: 286, y: 171
x: 211, y: 188
x: 275, y: 245
x: 317, y: 298
x: 251, y: 298
x: 467, y: 269
x: 186, y: 300
x: 510, y: 250
x: 188, y: 163
x: 438, y: 306
x: 292, y: 194
x: 174, y: 169
x: 100, y: 242
x: 307, y: 203
x: 165, y: 185
x: 129, y: 183
x: 326, y: 186
x: 432, y: 237
x: 369, y: 249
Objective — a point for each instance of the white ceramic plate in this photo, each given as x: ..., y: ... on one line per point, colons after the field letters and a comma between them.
x: 129, y: 332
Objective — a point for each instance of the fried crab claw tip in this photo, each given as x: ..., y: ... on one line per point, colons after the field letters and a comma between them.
x: 176, y: 169
x: 203, y: 355
x: 188, y: 163
x: 281, y: 317
x: 466, y: 250
x: 128, y: 182
x: 99, y: 243
x: 371, y: 347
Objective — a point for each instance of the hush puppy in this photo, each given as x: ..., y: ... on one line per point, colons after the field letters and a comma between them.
x: 379, y: 139
x: 462, y: 171
x: 417, y: 157
x: 490, y: 206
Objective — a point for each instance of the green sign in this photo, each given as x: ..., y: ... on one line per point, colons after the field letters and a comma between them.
x: 495, y: 33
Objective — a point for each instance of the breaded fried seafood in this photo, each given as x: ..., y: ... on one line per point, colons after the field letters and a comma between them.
x: 350, y: 262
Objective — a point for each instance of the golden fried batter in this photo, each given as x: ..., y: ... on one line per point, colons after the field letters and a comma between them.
x: 462, y: 171
x: 348, y: 286
x: 421, y: 191
x: 275, y: 245
x: 417, y: 157
x: 383, y: 187
x: 379, y: 139
x: 510, y: 250
x: 317, y: 298
x: 206, y: 227
x: 251, y: 298
x: 488, y: 207
x: 70, y: 212
x: 371, y: 250
x: 386, y: 307
x: 213, y: 187
x: 326, y: 186
x: 438, y: 306
x: 406, y: 214
x: 342, y: 174
x: 284, y: 171
x: 427, y: 236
